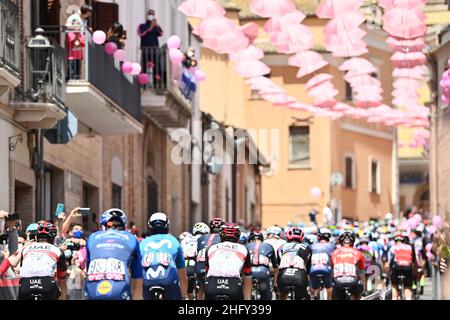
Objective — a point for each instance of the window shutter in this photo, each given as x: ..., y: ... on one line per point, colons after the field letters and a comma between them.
x: 49, y: 18
x: 104, y: 15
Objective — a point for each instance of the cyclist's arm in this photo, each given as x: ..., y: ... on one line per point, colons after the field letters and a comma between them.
x: 247, y: 278
x: 182, y: 274
x: 362, y: 271
x: 136, y: 273
x: 61, y: 273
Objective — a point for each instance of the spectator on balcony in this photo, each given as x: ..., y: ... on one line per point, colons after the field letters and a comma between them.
x: 86, y: 13
x: 149, y: 32
x: 117, y: 35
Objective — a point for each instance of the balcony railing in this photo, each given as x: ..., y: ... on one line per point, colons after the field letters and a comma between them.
x: 9, y: 36
x: 165, y: 77
x: 88, y: 62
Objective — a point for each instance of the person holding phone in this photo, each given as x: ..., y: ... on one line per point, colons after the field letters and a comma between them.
x: 150, y: 31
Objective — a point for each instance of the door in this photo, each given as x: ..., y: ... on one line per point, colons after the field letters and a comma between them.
x: 49, y: 18
x: 104, y: 15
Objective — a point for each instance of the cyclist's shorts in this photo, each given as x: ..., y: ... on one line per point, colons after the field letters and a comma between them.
x: 219, y: 286
x: 45, y: 287
x: 171, y: 291
x: 407, y: 272
x: 353, y: 284
x: 190, y: 268
x: 261, y: 273
x: 292, y: 277
x: 191, y: 285
x: 316, y: 277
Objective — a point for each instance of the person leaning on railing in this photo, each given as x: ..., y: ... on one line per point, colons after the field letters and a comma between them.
x: 117, y: 35
x: 75, y: 44
x: 150, y: 31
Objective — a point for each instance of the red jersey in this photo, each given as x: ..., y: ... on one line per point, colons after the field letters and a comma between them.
x: 346, y: 262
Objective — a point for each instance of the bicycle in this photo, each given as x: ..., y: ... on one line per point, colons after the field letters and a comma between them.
x: 256, y: 290
x: 401, y: 287
x: 37, y: 296
x: 157, y: 293
x: 348, y: 294
x: 291, y: 292
x: 222, y: 297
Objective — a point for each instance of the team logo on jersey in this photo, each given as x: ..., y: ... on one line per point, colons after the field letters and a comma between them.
x: 104, y: 288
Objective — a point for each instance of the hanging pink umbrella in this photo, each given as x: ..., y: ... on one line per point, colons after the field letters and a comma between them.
x: 406, y: 83
x: 295, y: 39
x: 279, y: 24
x: 231, y: 42
x: 250, y: 30
x: 325, y: 88
x: 409, y: 59
x: 405, y: 4
x: 271, y: 8
x: 341, y: 106
x: 213, y: 27
x: 328, y: 9
x: 317, y: 80
x: 249, y: 53
x: 298, y: 106
x: 403, y: 23
x: 201, y: 8
x: 405, y: 45
x: 325, y: 102
x: 252, y: 68
x: 415, y: 73
x: 355, y: 64
x: 363, y: 71
x: 364, y: 79
x: 308, y: 62
x: 272, y: 90
x: 279, y: 99
x: 260, y: 82
x: 344, y: 23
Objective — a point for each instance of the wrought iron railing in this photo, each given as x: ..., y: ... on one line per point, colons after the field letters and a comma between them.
x: 9, y: 36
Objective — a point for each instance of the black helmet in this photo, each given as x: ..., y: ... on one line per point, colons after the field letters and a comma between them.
x: 159, y: 223
x: 324, y: 234
x: 254, y: 235
x: 215, y: 225
x: 347, y: 237
x: 230, y: 232
x: 47, y: 231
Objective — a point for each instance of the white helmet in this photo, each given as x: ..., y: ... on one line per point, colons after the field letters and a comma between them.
x: 274, y: 230
x: 184, y: 235
x: 200, y: 228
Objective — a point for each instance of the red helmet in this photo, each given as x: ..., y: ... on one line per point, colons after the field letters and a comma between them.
x: 294, y: 233
x: 47, y: 230
x: 230, y: 232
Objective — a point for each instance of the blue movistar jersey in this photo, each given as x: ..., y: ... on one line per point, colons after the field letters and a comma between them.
x: 321, y: 256
x: 111, y: 256
x: 162, y: 255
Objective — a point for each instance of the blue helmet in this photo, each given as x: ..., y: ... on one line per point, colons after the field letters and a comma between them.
x: 32, y: 228
x: 113, y: 214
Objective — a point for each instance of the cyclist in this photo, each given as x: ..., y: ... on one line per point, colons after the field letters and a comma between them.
x: 274, y: 237
x: 31, y: 232
x: 163, y: 262
x: 402, y: 263
x: 112, y: 256
x: 42, y: 264
x: 229, y: 270
x: 321, y: 264
x: 294, y: 264
x: 261, y: 256
x: 348, y: 268
x: 369, y: 258
x: 203, y: 243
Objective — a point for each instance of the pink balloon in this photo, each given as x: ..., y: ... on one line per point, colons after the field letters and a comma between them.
x: 200, y: 75
x: 120, y: 55
x: 110, y: 48
x: 143, y: 79
x: 417, y: 217
x: 174, y: 42
x: 428, y: 247
x: 136, y: 69
x: 99, y: 37
x: 431, y: 229
x: 316, y: 192
x: 176, y: 56
x: 437, y: 222
x: 127, y: 67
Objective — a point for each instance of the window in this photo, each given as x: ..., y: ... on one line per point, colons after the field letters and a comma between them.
x: 116, y: 196
x: 374, y: 176
x: 350, y: 172
x: 348, y: 92
x: 299, y: 153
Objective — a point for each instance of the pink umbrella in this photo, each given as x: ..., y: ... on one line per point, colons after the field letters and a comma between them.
x: 279, y: 99
x: 308, y: 61
x: 298, y: 106
x: 398, y: 44
x: 356, y: 113
x: 326, y: 88
x: 404, y: 23
x: 201, y: 8
x: 252, y: 68
x: 279, y: 24
x: 344, y: 23
x: 363, y: 71
x: 328, y: 9
x: 355, y: 64
x: 271, y: 8
x: 363, y: 79
x: 231, y: 42
x: 250, y: 30
x: 271, y: 90
x: 213, y: 27
x: 295, y: 39
x: 325, y: 102
x: 405, y: 4
x: 260, y: 82
x: 249, y: 53
x: 317, y: 80
x: 344, y: 48
x: 341, y: 107
x: 415, y: 73
x: 410, y: 59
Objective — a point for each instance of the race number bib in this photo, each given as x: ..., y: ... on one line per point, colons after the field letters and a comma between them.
x: 110, y: 269
x: 201, y: 255
x: 319, y: 259
x: 344, y: 270
x: 156, y: 259
x: 292, y: 261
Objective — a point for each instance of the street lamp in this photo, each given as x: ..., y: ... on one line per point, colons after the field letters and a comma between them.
x: 40, y: 51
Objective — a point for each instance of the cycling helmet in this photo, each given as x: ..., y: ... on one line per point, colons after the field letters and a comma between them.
x: 347, y: 237
x: 46, y: 231
x: 243, y: 239
x: 32, y: 228
x: 400, y: 237
x: 216, y: 224
x: 374, y: 236
x: 256, y: 235
x: 113, y: 215
x: 364, y: 240
x: 159, y: 223
x: 275, y: 231
x: 184, y: 235
x: 230, y: 232
x: 200, y: 228
x: 324, y: 234
x: 294, y: 233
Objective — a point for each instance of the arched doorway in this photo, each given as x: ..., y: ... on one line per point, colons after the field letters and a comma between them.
x: 152, y: 196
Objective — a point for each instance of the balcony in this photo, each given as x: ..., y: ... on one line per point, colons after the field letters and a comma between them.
x: 166, y: 99
x: 9, y: 49
x: 39, y: 103
x: 100, y: 95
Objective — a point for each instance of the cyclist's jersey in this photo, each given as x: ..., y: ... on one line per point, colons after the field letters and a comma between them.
x: 377, y: 250
x: 42, y: 259
x: 401, y: 255
x: 162, y: 256
x: 368, y: 254
x: 228, y: 260
x: 418, y: 248
x: 189, y: 246
x: 111, y: 255
x: 203, y: 243
x: 261, y: 256
x: 321, y: 256
x: 295, y: 255
x: 347, y: 262
x: 275, y: 243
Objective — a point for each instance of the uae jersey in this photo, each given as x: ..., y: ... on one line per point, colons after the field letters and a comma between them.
x: 42, y: 259
x: 228, y: 260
